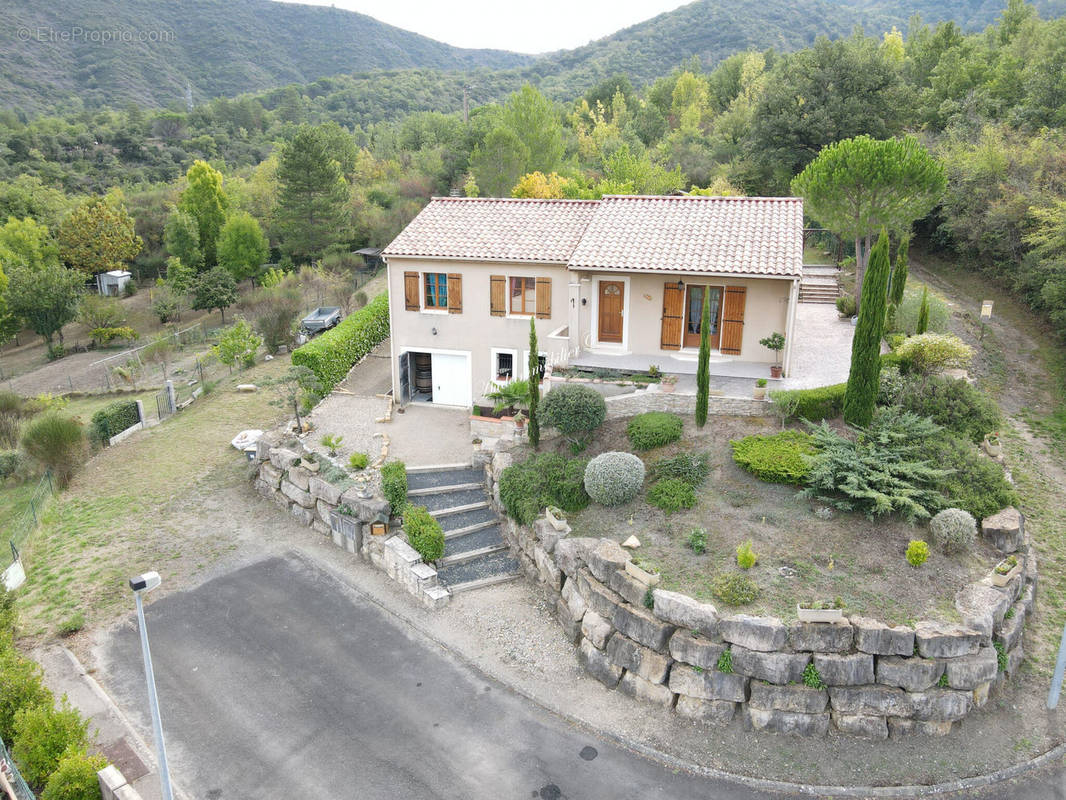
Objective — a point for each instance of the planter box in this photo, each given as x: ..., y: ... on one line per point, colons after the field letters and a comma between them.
x: 819, y: 614
x: 759, y: 393
x: 1003, y: 580
x: 649, y: 579
x: 994, y: 450
x: 559, y: 523
x: 667, y: 388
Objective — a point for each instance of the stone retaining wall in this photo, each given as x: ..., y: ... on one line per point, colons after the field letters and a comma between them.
x: 628, y: 405
x: 281, y: 478
x: 879, y: 680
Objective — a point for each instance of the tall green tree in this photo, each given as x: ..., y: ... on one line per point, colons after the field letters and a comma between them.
x: 26, y: 242
x: 46, y: 298
x: 242, y: 247
x: 530, y: 116
x: 534, y: 384
x: 311, y: 194
x: 181, y: 236
x: 498, y: 162
x: 703, y: 371
x: 857, y: 186
x: 864, y: 378
x: 214, y: 289
x: 206, y: 202
x: 899, y: 273
x: 98, y: 236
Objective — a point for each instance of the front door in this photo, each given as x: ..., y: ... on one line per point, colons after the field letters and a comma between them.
x: 694, y: 314
x: 612, y: 303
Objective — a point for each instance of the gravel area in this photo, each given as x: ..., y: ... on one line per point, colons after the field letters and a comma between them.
x: 821, y: 351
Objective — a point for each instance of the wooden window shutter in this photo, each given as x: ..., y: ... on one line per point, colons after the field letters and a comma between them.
x: 544, y: 298
x: 497, y: 295
x: 455, y: 293
x: 673, y: 316
x: 412, y: 288
x: 733, y: 320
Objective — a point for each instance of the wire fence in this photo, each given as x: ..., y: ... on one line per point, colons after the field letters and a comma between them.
x: 27, y: 520
x: 11, y: 775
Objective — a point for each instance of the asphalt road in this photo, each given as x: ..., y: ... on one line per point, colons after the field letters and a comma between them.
x: 277, y: 680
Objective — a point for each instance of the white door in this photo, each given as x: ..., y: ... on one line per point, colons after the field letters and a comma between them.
x: 451, y: 379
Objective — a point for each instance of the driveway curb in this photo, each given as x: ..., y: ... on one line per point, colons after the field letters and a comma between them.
x: 674, y: 762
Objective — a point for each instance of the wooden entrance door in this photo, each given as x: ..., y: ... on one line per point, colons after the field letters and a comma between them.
x: 694, y: 315
x: 611, y: 305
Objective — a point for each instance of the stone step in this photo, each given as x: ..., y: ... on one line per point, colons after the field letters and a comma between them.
x: 817, y: 281
x: 457, y: 519
x: 491, y: 565
x: 455, y: 487
x: 488, y: 536
x: 456, y: 533
x: 826, y: 301
x: 471, y: 555
x: 445, y: 477
x: 482, y: 583
x: 444, y: 503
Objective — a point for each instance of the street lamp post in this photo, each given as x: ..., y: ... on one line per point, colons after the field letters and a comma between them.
x: 140, y: 585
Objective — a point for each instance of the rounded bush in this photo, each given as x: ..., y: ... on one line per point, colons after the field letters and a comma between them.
x: 776, y: 458
x: 42, y: 735
x: 57, y: 443
x: 424, y: 533
x: 954, y: 530
x: 75, y: 777
x: 614, y: 478
x: 734, y: 588
x: 654, y: 429
x: 574, y: 410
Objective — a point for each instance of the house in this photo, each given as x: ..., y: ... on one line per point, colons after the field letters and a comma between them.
x: 617, y: 282
x: 113, y: 283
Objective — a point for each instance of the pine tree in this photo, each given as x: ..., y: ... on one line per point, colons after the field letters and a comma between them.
x: 923, y: 313
x: 534, y: 385
x: 860, y: 397
x: 311, y: 194
x: 703, y: 377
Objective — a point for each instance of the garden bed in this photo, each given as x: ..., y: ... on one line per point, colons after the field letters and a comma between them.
x: 801, y: 555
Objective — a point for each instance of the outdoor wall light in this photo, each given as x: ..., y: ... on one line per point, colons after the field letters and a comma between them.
x: 584, y: 301
x: 434, y: 331
x: 680, y: 285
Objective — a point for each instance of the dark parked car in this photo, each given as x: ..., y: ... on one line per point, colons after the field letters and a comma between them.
x: 321, y: 319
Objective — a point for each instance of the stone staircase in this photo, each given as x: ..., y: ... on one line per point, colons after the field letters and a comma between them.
x: 475, y: 553
x: 819, y: 285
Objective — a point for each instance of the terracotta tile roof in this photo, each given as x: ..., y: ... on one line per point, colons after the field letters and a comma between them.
x: 495, y: 229
x: 743, y: 235
x: 730, y: 235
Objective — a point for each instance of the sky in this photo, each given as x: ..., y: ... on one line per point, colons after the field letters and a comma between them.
x: 526, y: 27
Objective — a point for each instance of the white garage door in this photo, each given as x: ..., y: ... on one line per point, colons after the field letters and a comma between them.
x: 451, y: 379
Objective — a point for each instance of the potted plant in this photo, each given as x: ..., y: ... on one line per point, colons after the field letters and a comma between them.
x: 775, y: 342
x: 520, y: 421
x: 654, y: 371
x: 668, y: 383
x: 760, y: 389
x: 557, y: 517
x: 993, y: 446
x: 646, y: 574
x: 820, y: 610
x: 310, y: 464
x: 1005, y: 570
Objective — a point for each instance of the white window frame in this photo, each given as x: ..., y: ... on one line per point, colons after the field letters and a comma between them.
x: 594, y: 322
x: 515, y: 365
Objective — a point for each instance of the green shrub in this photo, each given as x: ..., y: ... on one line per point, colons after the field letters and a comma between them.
x: 825, y: 402
x: 358, y: 461
x: 336, y: 351
x: 394, y: 485
x: 10, y: 430
x: 614, y: 478
x: 57, y: 443
x: 574, y: 410
x: 10, y: 461
x: 746, y: 557
x: 776, y: 458
x: 692, y: 468
x: 917, y: 552
x: 812, y: 677
x: 697, y: 540
x: 725, y: 661
x: 72, y: 624
x: 424, y: 533
x: 970, y: 480
x: 734, y: 588
x: 892, y: 385
x: 654, y: 429
x: 671, y: 494
x: 931, y: 352
x: 885, y: 468
x: 238, y: 344
x: 331, y: 441
x: 953, y: 404
x: 112, y: 419
x: 544, y: 480
x: 43, y: 734
x: 953, y: 530
x: 106, y: 336
x: 1002, y: 661
x: 22, y: 686
x: 75, y: 777
x: 846, y: 305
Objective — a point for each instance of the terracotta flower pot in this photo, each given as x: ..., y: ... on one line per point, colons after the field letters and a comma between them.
x: 775, y: 370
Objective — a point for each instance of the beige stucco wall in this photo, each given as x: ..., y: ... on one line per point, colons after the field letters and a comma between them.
x: 766, y: 311
x: 474, y: 331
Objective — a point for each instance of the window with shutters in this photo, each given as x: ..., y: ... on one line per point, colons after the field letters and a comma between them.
x: 436, y: 288
x: 523, y: 296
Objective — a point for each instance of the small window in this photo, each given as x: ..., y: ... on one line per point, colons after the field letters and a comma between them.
x: 504, y: 366
x: 436, y: 290
x: 523, y: 295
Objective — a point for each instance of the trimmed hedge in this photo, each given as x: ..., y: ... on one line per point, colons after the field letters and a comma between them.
x: 776, y: 458
x: 825, y: 402
x: 424, y: 533
x: 654, y: 429
x: 332, y: 354
x: 112, y: 419
x: 394, y: 485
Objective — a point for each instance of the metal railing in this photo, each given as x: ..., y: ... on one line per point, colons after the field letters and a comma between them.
x: 10, y: 779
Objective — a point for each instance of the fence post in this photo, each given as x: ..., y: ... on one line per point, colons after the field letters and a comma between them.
x: 172, y: 398
x: 51, y: 486
x: 140, y: 411
x: 1060, y: 668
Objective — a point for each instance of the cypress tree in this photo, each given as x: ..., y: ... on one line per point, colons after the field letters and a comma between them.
x: 534, y: 385
x: 923, y: 312
x: 899, y: 274
x: 860, y: 396
x: 703, y: 377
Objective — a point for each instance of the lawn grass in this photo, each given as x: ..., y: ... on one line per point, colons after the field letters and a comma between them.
x: 117, y: 517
